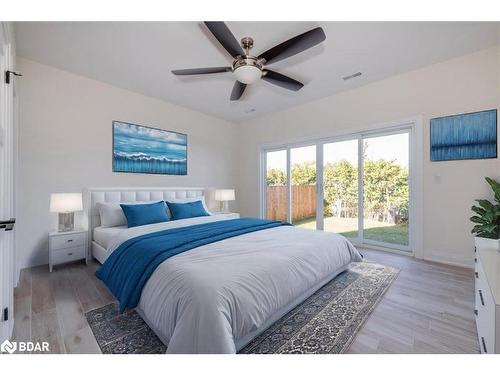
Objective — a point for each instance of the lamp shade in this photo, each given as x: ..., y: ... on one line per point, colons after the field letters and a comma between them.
x: 224, y: 195
x: 66, y: 202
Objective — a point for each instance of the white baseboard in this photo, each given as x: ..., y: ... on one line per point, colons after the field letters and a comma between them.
x: 386, y: 249
x: 449, y: 261
x: 457, y: 262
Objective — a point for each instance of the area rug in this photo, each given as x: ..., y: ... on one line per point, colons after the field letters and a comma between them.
x: 326, y: 322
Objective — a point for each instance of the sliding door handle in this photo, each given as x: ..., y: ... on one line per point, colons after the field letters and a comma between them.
x: 7, y: 224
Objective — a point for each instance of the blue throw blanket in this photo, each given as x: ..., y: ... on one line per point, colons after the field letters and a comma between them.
x: 129, y: 267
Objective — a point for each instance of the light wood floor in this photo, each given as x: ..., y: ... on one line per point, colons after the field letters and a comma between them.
x: 428, y: 309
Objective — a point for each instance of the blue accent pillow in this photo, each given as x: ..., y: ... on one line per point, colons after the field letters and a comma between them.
x: 143, y: 214
x: 186, y: 210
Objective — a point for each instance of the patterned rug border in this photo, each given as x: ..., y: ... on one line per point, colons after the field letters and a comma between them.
x: 120, y: 333
x: 369, y: 312
x: 345, y: 338
x: 107, y: 318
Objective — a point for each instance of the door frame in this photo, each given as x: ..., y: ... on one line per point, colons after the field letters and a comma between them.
x: 414, y: 126
x: 8, y: 138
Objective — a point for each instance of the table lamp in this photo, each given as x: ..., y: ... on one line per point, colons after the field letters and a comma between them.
x: 66, y: 204
x: 223, y: 196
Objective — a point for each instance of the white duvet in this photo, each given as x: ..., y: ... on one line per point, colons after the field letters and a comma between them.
x: 217, y: 297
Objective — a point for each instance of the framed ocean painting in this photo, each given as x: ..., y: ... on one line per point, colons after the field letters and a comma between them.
x: 465, y: 136
x: 141, y: 149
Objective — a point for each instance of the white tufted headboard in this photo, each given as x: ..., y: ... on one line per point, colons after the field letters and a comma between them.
x: 137, y: 194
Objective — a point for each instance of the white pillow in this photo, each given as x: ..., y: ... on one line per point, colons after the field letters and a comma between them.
x: 189, y: 200
x: 112, y: 214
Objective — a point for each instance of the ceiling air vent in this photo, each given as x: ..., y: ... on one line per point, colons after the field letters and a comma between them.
x: 351, y: 76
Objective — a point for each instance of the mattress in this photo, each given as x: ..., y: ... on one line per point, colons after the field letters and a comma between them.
x: 104, y: 236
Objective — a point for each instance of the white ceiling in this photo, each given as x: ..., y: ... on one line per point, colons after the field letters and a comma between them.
x: 139, y: 56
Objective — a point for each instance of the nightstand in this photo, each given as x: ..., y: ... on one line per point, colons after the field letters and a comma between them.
x: 67, y: 247
x: 232, y: 215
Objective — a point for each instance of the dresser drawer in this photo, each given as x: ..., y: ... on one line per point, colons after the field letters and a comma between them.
x: 480, y: 278
x: 485, y: 310
x: 67, y: 241
x: 68, y: 255
x: 485, y: 321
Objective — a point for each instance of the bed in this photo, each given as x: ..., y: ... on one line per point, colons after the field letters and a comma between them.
x: 217, y: 297
x: 104, y: 236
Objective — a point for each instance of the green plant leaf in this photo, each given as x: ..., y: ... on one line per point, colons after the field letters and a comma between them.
x: 489, y: 217
x: 477, y: 219
x: 486, y: 204
x: 495, y: 186
x: 477, y: 228
x: 487, y: 214
x: 479, y: 210
x: 489, y: 228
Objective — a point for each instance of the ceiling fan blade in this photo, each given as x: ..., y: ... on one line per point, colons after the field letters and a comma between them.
x: 238, y: 89
x: 294, y: 46
x: 281, y: 80
x: 225, y: 38
x: 187, y: 72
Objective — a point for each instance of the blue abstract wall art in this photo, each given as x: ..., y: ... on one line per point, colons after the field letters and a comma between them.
x: 466, y: 136
x: 141, y: 149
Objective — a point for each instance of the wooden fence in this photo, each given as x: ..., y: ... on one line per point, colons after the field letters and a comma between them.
x: 303, y: 202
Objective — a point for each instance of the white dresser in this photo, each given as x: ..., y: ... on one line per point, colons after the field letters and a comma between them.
x: 487, y: 280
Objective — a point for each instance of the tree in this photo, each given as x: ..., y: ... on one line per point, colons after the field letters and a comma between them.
x: 304, y: 174
x: 276, y: 177
x: 385, y: 187
x: 341, y: 188
x: 385, y: 190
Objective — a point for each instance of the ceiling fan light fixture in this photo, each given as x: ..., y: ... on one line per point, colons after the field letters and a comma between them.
x: 248, y: 74
x: 249, y: 68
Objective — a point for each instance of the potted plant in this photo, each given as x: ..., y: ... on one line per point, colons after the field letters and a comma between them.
x: 487, y: 219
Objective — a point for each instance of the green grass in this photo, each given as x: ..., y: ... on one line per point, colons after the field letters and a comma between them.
x: 395, y: 234
x: 374, y: 230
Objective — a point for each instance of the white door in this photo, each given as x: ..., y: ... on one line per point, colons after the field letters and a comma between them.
x: 6, y: 187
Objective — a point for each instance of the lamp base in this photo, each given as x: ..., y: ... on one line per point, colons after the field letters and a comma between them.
x: 224, y: 207
x: 66, y: 221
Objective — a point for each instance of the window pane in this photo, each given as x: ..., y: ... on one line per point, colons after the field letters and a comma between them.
x: 340, y: 187
x: 303, y: 178
x: 276, y: 181
x: 386, y: 189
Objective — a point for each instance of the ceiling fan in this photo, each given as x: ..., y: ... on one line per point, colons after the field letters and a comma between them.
x: 248, y: 68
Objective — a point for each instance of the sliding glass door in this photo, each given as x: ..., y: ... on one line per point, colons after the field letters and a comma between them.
x: 276, y: 185
x: 386, y: 189
x: 357, y: 186
x: 303, y: 179
x: 340, y: 187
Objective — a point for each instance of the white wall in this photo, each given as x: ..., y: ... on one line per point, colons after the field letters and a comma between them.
x: 465, y: 84
x: 65, y: 146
